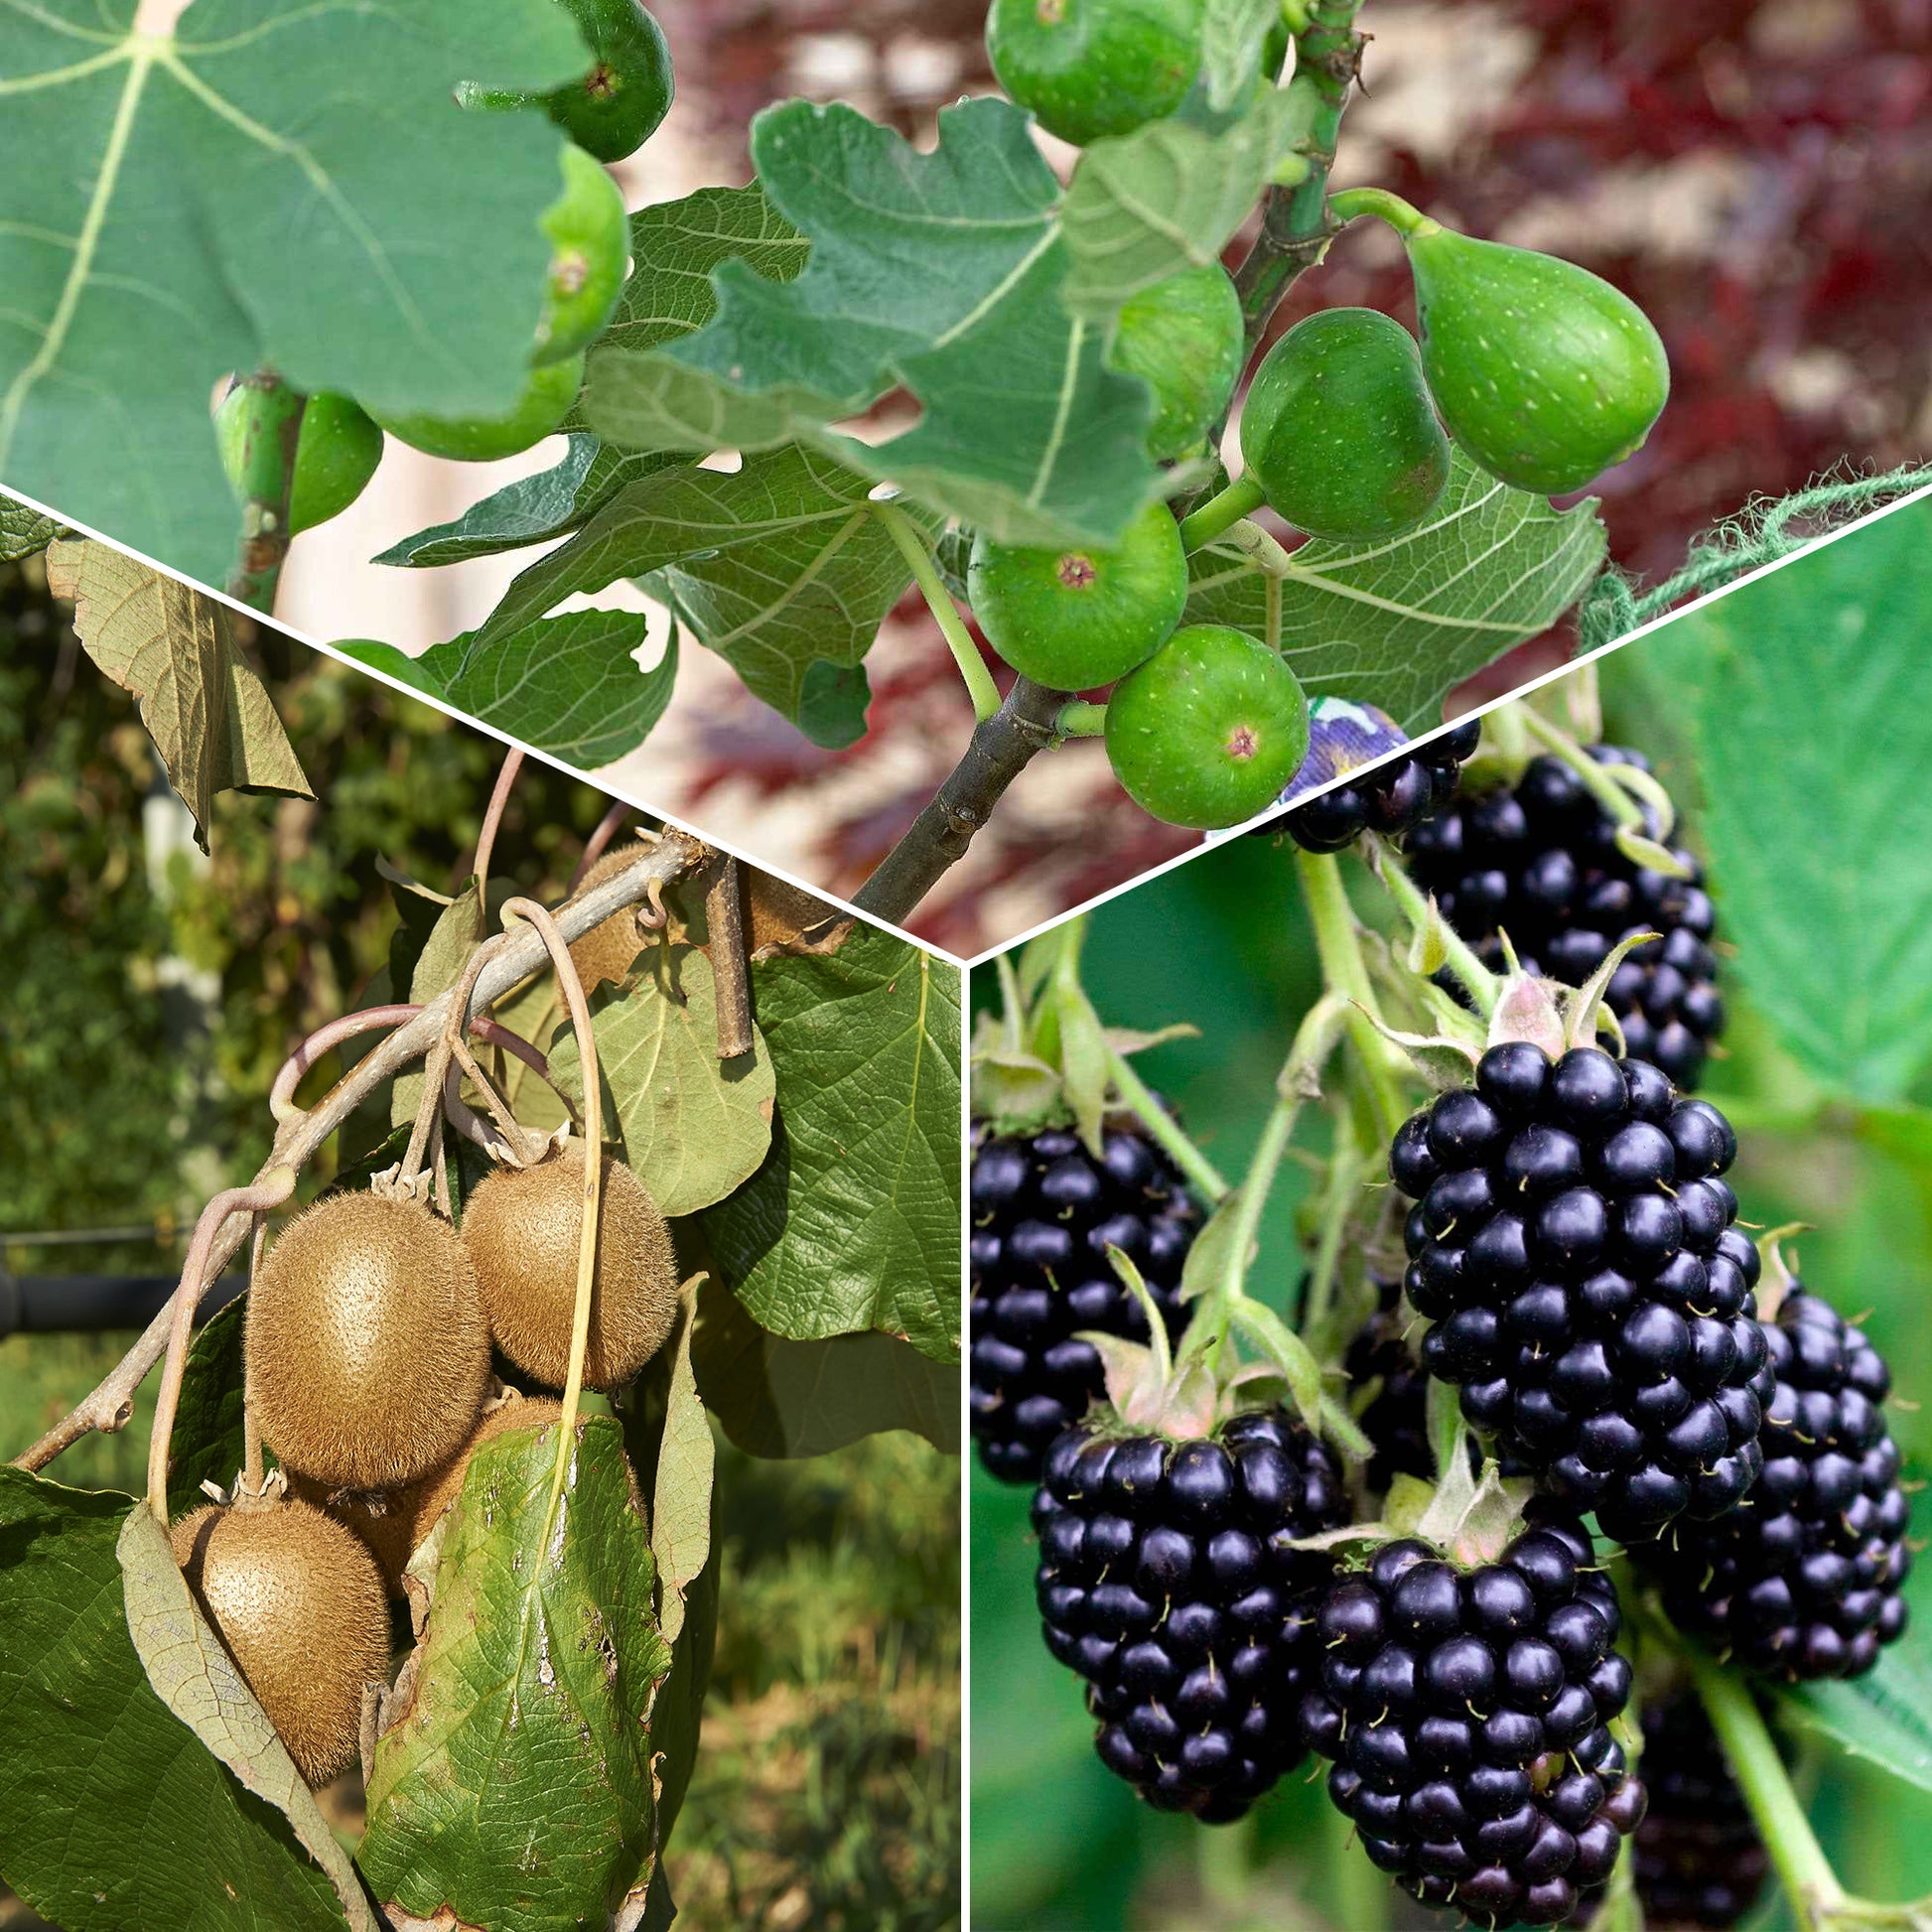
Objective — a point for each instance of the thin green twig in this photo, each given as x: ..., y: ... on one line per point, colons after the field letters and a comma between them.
x: 918, y: 553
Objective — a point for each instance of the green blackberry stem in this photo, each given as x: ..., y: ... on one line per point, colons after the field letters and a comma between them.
x: 1203, y: 1175
x: 1338, y: 941
x: 1481, y: 985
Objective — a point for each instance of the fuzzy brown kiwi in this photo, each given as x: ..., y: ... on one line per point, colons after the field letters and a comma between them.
x: 299, y: 1604
x: 367, y: 1351
x: 608, y: 949
x: 522, y: 1227
x: 442, y: 1489
x: 384, y: 1519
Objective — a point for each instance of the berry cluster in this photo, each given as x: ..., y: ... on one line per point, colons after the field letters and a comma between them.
x: 1467, y: 1716
x: 1806, y: 1582
x: 1392, y: 798
x: 1573, y: 1245
x: 1700, y: 1861
x: 1540, y: 863
x: 1044, y: 1214
x: 1168, y: 1578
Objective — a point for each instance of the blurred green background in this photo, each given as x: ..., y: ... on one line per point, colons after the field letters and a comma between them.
x: 148, y: 999
x: 1793, y: 722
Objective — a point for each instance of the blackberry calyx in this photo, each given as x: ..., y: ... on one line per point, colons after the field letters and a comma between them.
x: 1467, y: 1712
x: 1045, y: 1213
x: 1167, y: 1581
x: 1572, y: 1244
x: 1806, y: 1583
x: 1540, y: 862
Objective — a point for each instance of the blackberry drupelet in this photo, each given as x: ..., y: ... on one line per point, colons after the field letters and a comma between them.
x: 1700, y: 1861
x: 1467, y: 1716
x: 1573, y: 1245
x: 1167, y: 1581
x: 1045, y: 1213
x: 1806, y: 1582
x: 1540, y: 863
x: 1390, y: 798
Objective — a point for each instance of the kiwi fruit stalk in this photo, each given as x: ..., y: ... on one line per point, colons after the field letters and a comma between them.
x: 367, y: 1349
x: 297, y: 1601
x: 523, y: 1228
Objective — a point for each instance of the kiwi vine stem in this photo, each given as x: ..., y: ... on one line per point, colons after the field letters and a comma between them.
x: 579, y: 1007
x: 514, y: 958
x: 1001, y: 747
x: 918, y: 553
x: 271, y: 429
x: 1296, y: 227
x: 723, y: 917
x: 499, y: 799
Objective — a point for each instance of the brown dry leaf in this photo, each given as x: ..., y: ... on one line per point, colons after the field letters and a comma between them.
x: 209, y: 715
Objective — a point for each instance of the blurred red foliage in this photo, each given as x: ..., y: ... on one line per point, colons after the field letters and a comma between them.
x: 1758, y: 176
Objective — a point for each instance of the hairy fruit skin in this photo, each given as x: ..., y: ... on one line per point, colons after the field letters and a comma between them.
x: 1700, y: 1861
x: 1076, y: 618
x: 367, y: 1356
x: 1467, y: 1714
x: 1208, y: 730
x: 1572, y: 1244
x: 1540, y: 862
x: 1338, y: 429
x: 1167, y: 1581
x: 1045, y: 1212
x: 1088, y: 68
x: 1806, y: 1583
x: 299, y: 1604
x: 608, y: 950
x: 1393, y: 799
x: 337, y: 452
x: 1543, y: 372
x: 1185, y: 338
x: 589, y: 241
x: 546, y: 400
x: 523, y: 1228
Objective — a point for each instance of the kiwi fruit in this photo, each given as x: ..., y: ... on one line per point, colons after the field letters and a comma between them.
x: 442, y: 1488
x: 385, y: 1519
x: 607, y: 951
x: 299, y: 1604
x: 523, y: 1228
x: 366, y: 1350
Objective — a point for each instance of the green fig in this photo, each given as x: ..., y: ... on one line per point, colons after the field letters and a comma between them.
x: 1087, y: 69
x: 336, y: 454
x: 589, y: 252
x: 1078, y: 618
x: 1544, y: 372
x: 1208, y: 730
x: 1184, y: 338
x: 1338, y: 430
x: 546, y: 400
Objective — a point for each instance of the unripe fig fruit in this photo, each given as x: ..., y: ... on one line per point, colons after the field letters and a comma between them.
x: 1184, y: 338
x: 1093, y: 68
x: 590, y: 253
x: 546, y: 400
x: 368, y: 1354
x: 1543, y: 372
x: 608, y: 949
x: 1208, y: 730
x: 1337, y: 428
x: 1074, y: 619
x: 298, y: 1604
x: 336, y: 454
x: 523, y: 1228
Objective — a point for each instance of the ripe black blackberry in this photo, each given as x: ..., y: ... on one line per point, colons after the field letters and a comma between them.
x: 1573, y: 1245
x: 1540, y: 863
x: 1467, y: 1716
x: 1390, y: 798
x: 1045, y: 1213
x: 1167, y: 1581
x: 1806, y: 1582
x: 1700, y: 1861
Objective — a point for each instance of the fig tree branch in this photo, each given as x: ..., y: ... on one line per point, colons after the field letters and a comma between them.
x: 271, y: 429
x: 1001, y: 747
x: 511, y: 958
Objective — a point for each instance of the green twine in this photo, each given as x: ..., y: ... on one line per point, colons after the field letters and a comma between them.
x: 1759, y: 534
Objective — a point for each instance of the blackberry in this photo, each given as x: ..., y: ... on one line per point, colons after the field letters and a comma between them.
x: 1467, y: 1714
x: 1392, y: 798
x: 1803, y: 1582
x: 1573, y: 1245
x: 1698, y: 1859
x: 1396, y: 1421
x: 1167, y: 1581
x: 1540, y: 863
x: 1045, y: 1213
